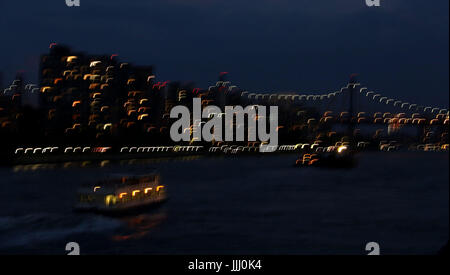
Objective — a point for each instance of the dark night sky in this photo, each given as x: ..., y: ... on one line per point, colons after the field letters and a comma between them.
x: 399, y: 49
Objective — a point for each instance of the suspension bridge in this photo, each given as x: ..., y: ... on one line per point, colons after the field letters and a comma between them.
x: 355, y: 103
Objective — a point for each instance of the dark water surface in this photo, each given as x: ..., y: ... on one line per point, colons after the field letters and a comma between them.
x: 249, y: 205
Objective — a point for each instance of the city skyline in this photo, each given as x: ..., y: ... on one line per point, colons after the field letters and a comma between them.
x: 97, y: 99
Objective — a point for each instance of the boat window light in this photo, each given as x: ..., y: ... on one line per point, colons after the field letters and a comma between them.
x: 96, y: 187
x: 159, y: 187
x: 135, y: 192
x: 110, y: 199
x: 147, y: 189
x: 122, y: 194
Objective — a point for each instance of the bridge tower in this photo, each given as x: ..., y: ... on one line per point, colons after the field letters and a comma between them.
x: 351, y: 126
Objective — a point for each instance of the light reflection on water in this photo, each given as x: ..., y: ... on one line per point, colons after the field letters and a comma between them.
x: 139, y: 226
x: 102, y: 163
x: 248, y: 205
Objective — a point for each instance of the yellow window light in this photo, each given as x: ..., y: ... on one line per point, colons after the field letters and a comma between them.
x: 140, y: 117
x: 71, y: 58
x: 94, y: 63
x: 106, y: 126
x: 110, y: 199
x: 341, y: 148
x: 44, y: 89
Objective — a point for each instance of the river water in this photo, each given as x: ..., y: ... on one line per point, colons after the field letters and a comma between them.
x: 238, y: 205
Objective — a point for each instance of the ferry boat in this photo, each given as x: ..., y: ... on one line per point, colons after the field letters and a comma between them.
x: 121, y: 194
